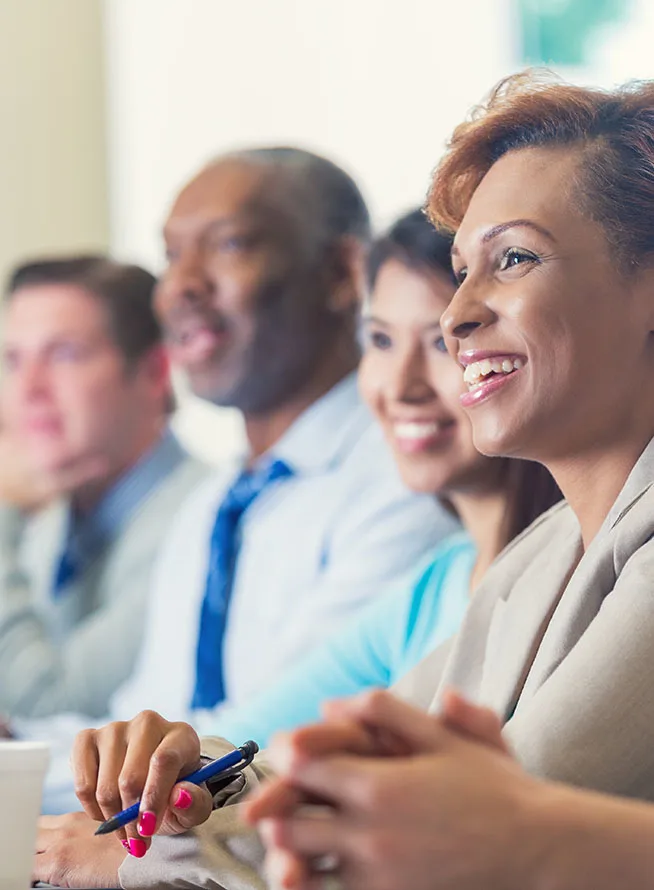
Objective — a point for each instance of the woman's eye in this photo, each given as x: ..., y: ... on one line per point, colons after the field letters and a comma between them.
x: 515, y: 256
x: 378, y: 340
x: 460, y: 276
x: 439, y: 343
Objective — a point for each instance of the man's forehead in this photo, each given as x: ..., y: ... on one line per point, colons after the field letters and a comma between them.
x: 229, y: 189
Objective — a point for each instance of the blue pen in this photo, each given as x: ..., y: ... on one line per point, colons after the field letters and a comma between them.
x: 226, y: 766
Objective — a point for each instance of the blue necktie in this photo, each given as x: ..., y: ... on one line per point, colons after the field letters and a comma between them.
x: 209, y: 679
x: 66, y: 571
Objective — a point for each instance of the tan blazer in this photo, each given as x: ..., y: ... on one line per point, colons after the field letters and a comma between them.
x: 560, y: 644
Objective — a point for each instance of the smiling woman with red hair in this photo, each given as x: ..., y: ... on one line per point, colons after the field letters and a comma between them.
x: 550, y: 188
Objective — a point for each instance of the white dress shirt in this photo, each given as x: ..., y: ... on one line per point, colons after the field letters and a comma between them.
x: 313, y: 550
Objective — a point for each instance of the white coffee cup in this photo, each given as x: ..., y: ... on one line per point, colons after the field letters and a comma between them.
x: 22, y: 771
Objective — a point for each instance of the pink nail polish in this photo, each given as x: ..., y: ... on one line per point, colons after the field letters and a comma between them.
x: 136, y: 847
x: 125, y: 844
x: 184, y: 799
x: 147, y: 824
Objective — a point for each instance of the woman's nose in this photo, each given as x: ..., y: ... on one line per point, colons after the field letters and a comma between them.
x: 467, y: 312
x: 409, y: 381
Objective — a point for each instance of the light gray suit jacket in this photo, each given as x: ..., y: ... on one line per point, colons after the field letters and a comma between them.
x: 560, y: 642
x: 72, y: 654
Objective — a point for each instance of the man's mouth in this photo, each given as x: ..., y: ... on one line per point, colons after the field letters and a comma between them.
x: 195, y: 340
x: 478, y: 373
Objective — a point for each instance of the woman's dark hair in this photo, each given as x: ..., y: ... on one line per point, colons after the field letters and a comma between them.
x: 612, y: 130
x: 414, y: 242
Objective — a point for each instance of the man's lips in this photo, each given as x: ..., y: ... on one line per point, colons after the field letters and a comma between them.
x: 197, y: 341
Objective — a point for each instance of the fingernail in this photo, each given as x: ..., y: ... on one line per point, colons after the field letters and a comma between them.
x: 146, y: 824
x: 125, y: 844
x: 184, y: 799
x: 136, y: 847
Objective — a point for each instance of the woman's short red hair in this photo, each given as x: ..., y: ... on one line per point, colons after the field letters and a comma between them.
x: 613, y: 128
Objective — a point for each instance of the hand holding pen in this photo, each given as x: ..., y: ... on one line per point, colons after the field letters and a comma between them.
x: 142, y: 759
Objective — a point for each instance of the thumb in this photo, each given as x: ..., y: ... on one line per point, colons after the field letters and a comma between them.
x: 480, y: 724
x: 188, y: 806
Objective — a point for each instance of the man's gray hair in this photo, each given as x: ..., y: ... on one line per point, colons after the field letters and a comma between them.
x: 329, y: 191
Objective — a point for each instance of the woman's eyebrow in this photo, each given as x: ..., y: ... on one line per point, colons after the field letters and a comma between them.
x: 500, y: 228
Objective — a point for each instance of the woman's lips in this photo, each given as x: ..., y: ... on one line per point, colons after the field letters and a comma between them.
x: 415, y: 436
x: 488, y: 386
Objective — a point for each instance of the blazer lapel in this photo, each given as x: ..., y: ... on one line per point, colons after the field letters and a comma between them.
x: 519, y: 622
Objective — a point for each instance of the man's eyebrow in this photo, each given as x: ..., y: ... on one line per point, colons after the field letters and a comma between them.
x: 218, y: 222
x: 500, y: 228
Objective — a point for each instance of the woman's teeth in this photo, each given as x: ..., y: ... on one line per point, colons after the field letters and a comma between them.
x: 416, y: 430
x: 475, y: 373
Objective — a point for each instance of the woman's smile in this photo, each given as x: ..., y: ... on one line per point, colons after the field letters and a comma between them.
x: 486, y: 373
x: 413, y: 436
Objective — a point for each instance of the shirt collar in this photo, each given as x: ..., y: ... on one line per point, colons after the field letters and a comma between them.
x: 105, y: 520
x: 322, y: 434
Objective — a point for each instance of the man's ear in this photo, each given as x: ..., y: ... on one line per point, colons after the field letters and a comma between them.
x: 155, y: 367
x: 348, y: 275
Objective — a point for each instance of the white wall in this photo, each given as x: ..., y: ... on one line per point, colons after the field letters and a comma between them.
x: 374, y: 84
x: 52, y: 147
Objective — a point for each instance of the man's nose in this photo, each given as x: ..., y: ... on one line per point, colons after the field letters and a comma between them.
x: 186, y: 281
x: 31, y: 379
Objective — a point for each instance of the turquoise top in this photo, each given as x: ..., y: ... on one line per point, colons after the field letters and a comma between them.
x: 385, y: 640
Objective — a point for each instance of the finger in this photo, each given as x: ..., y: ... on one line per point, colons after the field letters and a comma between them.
x: 382, y: 743
x: 481, y: 724
x: 349, y: 783
x: 84, y: 764
x: 276, y: 797
x: 413, y: 730
x: 111, y: 746
x: 188, y: 806
x: 290, y: 749
x: 286, y: 871
x: 177, y: 753
x: 311, y: 835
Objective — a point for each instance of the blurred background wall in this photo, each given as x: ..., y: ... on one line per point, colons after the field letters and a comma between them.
x: 53, y: 149
x: 109, y: 105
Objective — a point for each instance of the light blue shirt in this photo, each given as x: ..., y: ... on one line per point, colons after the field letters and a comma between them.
x: 388, y: 638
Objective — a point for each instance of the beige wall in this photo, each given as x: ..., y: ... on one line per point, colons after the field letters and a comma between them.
x: 53, y: 183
